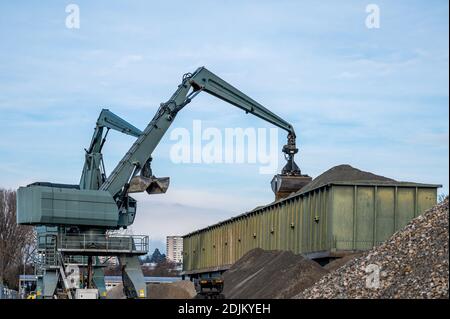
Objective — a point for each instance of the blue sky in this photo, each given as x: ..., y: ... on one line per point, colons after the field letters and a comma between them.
x: 373, y: 98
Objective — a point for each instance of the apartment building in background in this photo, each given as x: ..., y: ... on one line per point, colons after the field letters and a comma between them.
x: 174, y: 248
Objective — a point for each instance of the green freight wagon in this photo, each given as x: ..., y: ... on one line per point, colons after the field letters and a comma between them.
x: 323, y: 222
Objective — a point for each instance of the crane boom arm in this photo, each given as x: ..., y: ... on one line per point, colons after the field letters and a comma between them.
x: 92, y: 176
x: 207, y: 81
x: 111, y: 121
x: 201, y: 80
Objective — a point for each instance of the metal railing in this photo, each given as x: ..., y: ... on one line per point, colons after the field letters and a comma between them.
x: 78, y: 260
x: 105, y: 244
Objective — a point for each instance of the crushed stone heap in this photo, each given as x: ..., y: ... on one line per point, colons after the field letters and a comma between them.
x: 413, y: 263
x: 270, y: 274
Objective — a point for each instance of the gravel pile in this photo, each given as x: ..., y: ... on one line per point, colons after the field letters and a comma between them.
x: 413, y: 263
x: 270, y: 274
x: 343, y: 173
x: 183, y: 289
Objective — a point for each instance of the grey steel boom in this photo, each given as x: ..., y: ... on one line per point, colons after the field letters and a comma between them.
x: 140, y: 153
x: 93, y: 175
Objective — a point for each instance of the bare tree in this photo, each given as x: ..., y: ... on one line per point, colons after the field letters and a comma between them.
x: 16, y: 241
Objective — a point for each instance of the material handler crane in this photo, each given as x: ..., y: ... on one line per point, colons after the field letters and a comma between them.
x: 75, y: 220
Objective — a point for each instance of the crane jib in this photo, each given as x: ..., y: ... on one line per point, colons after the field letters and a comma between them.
x: 201, y: 80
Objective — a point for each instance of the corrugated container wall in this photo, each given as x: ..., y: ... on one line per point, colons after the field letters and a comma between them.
x: 332, y: 218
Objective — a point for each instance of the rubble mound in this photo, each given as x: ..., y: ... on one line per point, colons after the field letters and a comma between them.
x: 413, y: 263
x: 343, y: 173
x: 263, y: 274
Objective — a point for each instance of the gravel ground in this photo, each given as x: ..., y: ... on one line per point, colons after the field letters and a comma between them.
x: 413, y: 263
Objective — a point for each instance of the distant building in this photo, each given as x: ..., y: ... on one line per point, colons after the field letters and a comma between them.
x: 150, y: 266
x: 174, y: 249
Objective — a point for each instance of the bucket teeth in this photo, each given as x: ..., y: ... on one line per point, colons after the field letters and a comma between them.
x: 152, y: 185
